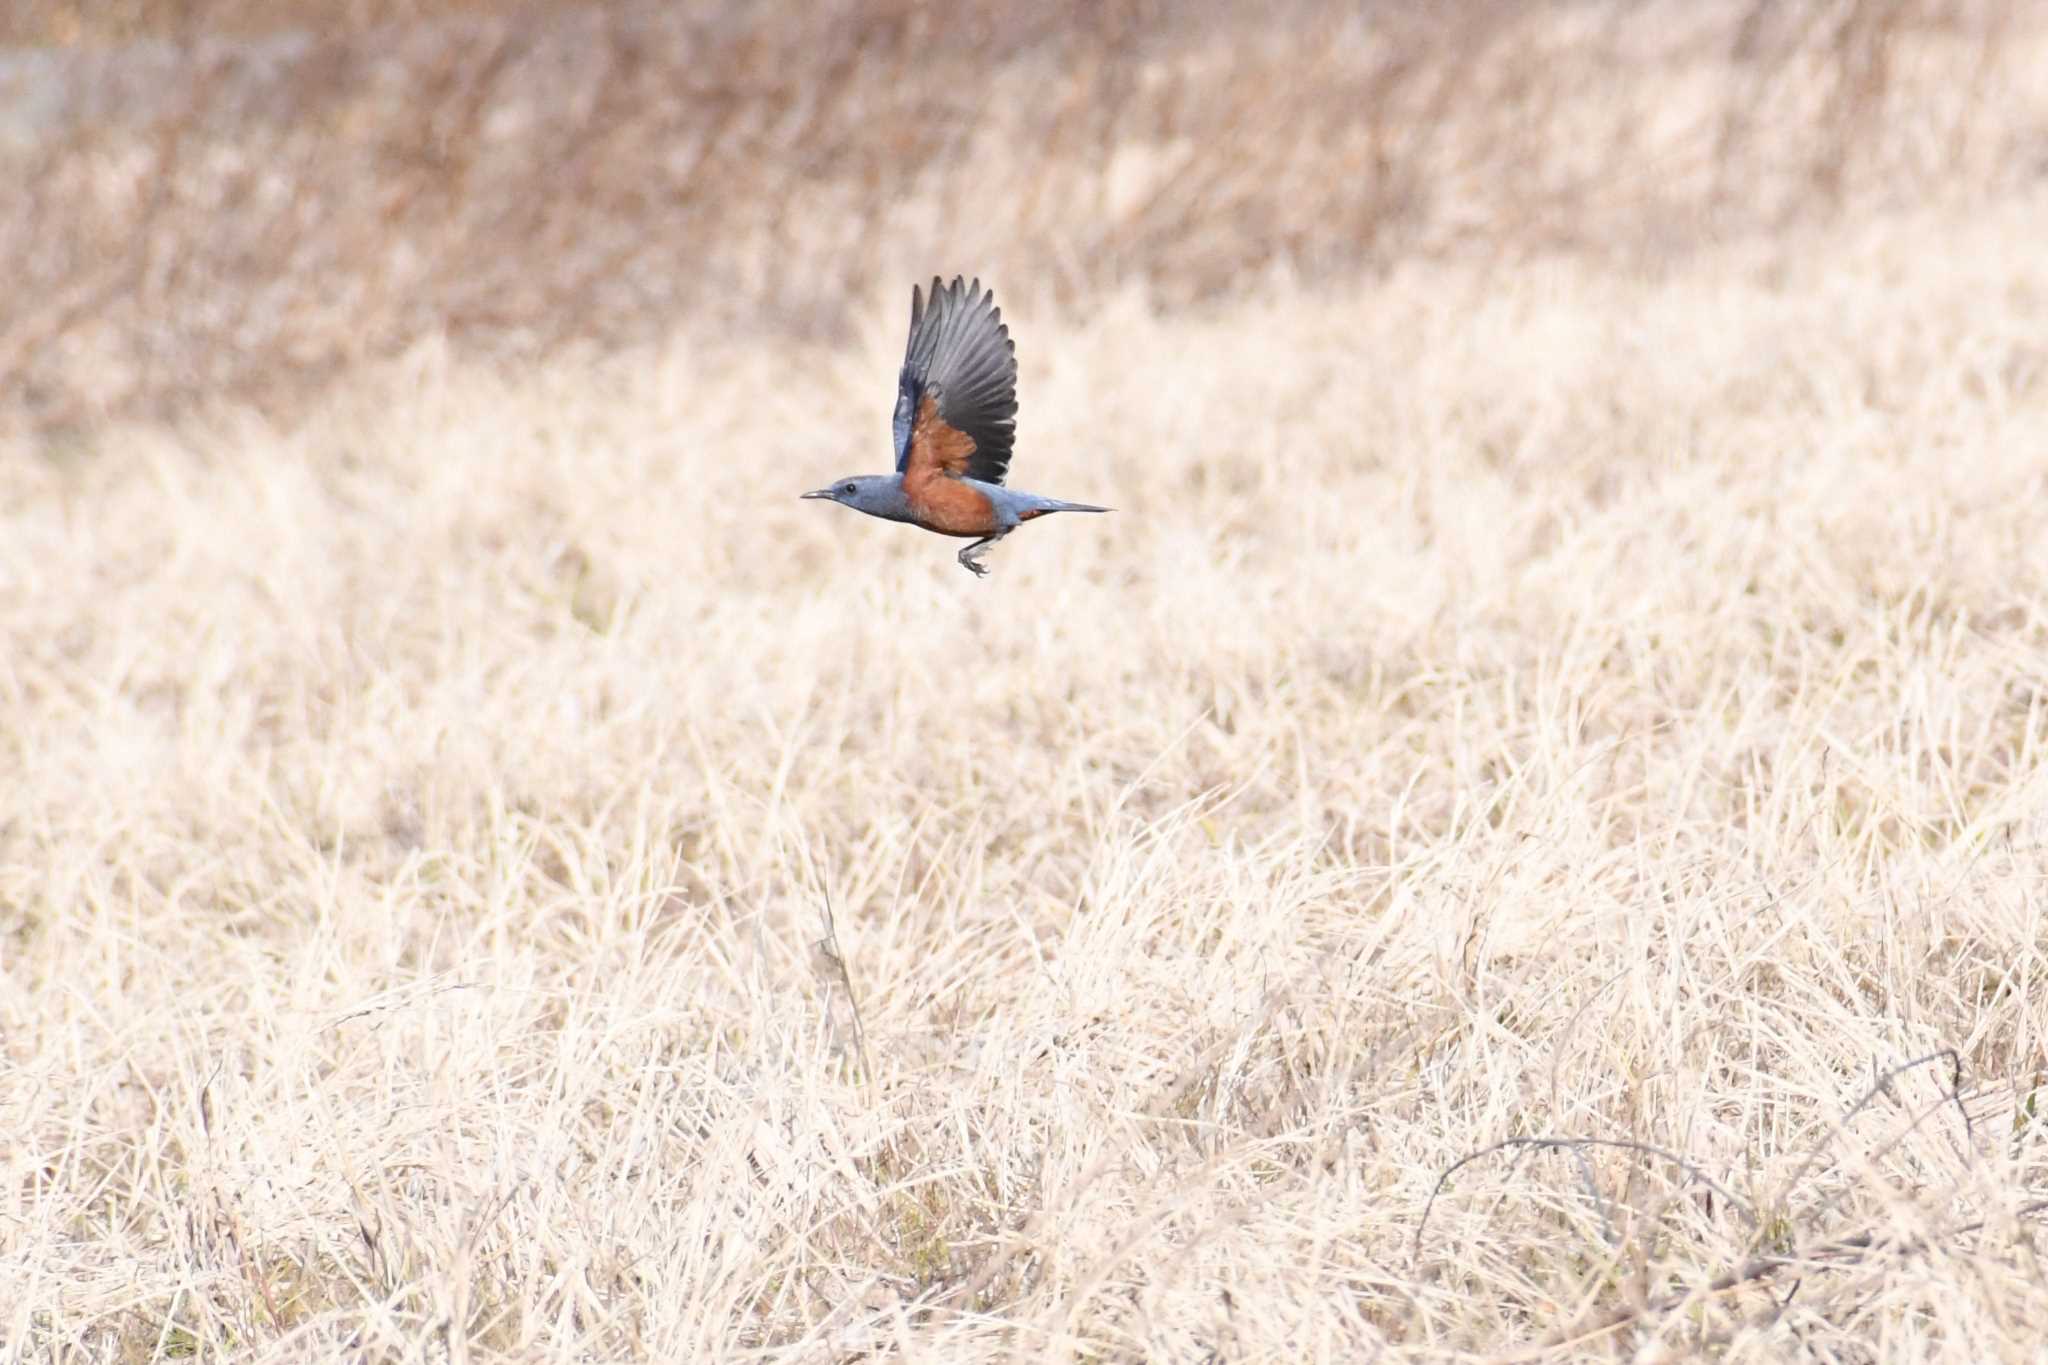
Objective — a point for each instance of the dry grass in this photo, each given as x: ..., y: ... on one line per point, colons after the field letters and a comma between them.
x: 229, y: 208
x: 1516, y: 699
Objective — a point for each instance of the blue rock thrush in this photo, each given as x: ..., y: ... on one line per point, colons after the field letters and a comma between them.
x: 956, y: 418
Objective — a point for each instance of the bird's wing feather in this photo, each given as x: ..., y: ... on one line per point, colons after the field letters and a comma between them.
x: 956, y: 398
x: 906, y: 395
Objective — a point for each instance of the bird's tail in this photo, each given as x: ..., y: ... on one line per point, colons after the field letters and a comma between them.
x: 1077, y: 507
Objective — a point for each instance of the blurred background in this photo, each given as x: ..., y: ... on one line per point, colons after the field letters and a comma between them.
x: 238, y: 198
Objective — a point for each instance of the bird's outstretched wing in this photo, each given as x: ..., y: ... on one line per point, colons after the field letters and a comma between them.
x: 956, y: 399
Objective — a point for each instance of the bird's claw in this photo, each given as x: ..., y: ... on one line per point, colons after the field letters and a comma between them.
x: 970, y: 558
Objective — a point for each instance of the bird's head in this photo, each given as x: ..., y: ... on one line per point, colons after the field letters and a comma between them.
x: 879, y: 495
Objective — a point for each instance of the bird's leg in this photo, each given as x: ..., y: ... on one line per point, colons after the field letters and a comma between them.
x: 970, y: 558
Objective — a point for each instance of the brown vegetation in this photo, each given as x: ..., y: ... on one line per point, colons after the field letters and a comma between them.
x: 234, y: 204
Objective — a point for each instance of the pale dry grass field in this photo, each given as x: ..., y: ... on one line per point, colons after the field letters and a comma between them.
x: 1522, y: 838
x: 1504, y: 706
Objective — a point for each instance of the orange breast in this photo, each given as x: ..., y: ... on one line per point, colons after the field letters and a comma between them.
x: 949, y: 506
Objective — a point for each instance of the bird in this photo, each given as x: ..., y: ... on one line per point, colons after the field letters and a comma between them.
x: 955, y: 422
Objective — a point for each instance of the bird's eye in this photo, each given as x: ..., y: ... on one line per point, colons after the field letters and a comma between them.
x: 848, y: 490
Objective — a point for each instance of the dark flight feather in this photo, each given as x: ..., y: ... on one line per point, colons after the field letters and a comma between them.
x: 960, y: 354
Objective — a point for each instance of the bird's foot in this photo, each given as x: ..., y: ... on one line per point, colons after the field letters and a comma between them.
x: 970, y: 558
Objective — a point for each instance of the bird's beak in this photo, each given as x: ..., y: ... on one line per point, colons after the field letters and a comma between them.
x: 817, y: 493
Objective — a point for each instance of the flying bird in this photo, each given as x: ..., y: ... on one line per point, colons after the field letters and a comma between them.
x: 956, y: 418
